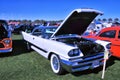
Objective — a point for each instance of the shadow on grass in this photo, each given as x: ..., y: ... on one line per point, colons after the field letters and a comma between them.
x: 110, y: 62
x: 89, y: 71
x: 19, y: 47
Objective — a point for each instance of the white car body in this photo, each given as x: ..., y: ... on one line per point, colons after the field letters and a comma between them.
x: 64, y: 55
x: 45, y: 49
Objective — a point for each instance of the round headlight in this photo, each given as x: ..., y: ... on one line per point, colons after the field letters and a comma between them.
x: 7, y: 41
x: 108, y: 46
x: 74, y: 52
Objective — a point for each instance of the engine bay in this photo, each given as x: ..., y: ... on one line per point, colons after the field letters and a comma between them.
x: 86, y: 46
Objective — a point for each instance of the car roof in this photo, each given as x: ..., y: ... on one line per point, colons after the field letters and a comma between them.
x: 111, y: 28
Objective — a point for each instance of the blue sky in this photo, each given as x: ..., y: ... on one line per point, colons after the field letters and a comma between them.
x: 54, y: 9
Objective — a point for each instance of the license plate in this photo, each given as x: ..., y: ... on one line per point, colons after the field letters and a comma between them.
x: 95, y: 64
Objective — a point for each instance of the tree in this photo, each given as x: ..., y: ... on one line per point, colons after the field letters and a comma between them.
x: 110, y: 20
x: 37, y: 21
x: 104, y: 20
x: 99, y: 20
x: 24, y: 21
x: 116, y: 20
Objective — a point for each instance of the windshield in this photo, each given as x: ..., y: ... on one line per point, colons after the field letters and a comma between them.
x: 68, y: 36
x: 50, y: 30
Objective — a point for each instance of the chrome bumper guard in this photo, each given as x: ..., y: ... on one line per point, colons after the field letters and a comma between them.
x: 6, y: 50
x: 83, y: 63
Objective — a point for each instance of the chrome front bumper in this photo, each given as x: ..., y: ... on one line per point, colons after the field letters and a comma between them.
x: 83, y: 63
x: 5, y: 50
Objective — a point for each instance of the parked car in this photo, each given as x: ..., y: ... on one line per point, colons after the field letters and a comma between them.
x: 23, y: 27
x: 111, y: 34
x: 65, y: 48
x: 19, y: 28
x: 5, y: 37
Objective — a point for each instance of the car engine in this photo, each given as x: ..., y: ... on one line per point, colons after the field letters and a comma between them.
x: 87, y: 47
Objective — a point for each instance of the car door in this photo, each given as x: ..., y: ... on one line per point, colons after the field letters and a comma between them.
x: 116, y: 45
x: 37, y: 39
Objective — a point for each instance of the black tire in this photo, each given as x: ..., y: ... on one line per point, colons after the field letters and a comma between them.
x: 55, y: 65
x: 28, y: 46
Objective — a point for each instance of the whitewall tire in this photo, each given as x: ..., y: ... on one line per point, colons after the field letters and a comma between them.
x: 55, y: 64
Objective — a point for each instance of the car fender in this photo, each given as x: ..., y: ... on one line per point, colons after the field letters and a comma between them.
x: 103, y: 43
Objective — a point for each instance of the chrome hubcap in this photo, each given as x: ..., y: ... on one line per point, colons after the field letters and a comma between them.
x: 55, y: 63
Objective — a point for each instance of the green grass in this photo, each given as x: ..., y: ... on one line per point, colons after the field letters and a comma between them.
x: 23, y: 65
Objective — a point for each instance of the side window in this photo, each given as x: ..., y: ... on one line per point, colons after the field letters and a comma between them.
x: 37, y: 32
x: 119, y: 35
x: 108, y: 34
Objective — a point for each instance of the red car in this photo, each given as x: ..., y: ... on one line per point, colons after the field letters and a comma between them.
x: 5, y: 38
x: 111, y: 34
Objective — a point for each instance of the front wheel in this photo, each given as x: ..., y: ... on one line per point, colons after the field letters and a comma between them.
x: 55, y: 65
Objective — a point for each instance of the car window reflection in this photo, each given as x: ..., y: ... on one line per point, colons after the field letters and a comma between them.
x: 109, y: 34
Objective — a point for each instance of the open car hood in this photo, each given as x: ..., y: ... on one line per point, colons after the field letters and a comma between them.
x: 4, y: 33
x: 77, y: 22
x: 4, y: 24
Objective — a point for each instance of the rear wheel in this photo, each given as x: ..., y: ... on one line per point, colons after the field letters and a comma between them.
x: 28, y: 46
x: 55, y: 65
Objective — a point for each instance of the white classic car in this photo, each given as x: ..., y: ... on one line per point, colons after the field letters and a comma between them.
x: 64, y: 46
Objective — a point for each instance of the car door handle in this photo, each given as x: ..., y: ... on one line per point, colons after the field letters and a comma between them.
x: 33, y: 38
